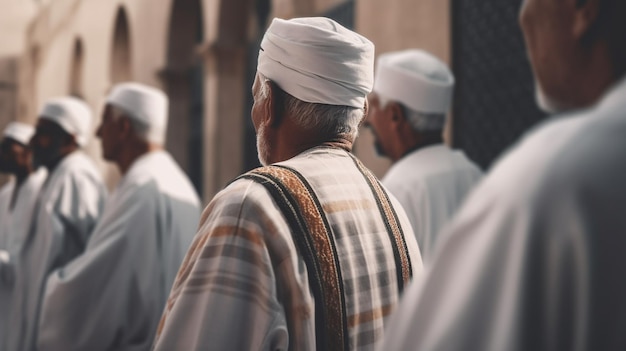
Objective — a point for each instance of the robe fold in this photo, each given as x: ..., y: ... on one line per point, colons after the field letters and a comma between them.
x: 431, y: 183
x: 15, y: 224
x: 111, y: 297
x: 67, y: 209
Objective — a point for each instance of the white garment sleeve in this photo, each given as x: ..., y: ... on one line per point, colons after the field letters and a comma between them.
x: 90, y: 303
x: 505, y: 277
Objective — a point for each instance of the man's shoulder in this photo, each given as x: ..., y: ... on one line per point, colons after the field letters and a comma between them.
x: 78, y: 166
x: 243, y: 191
x: 7, y: 188
x: 560, y: 155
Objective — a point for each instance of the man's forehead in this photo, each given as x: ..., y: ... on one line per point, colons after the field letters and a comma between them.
x: 48, y: 125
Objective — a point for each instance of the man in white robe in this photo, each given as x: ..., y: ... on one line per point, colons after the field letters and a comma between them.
x: 310, y: 253
x: 408, y: 107
x: 67, y: 209
x: 535, y: 258
x: 17, y: 200
x: 112, y: 296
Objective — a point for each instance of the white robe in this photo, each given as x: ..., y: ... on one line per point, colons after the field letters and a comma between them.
x: 68, y: 207
x: 535, y: 259
x: 112, y: 296
x: 14, y: 226
x: 431, y: 183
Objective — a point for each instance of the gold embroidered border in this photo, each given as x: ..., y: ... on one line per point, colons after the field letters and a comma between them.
x: 391, y: 218
x: 322, y: 241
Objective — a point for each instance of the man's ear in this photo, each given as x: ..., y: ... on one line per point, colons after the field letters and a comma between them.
x: 585, y: 17
x: 366, y: 110
x: 397, y: 117
x: 124, y: 127
x: 273, y: 105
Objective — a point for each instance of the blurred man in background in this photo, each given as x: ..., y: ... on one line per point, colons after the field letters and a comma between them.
x: 310, y: 253
x: 408, y: 108
x: 535, y: 258
x: 17, y: 201
x: 69, y: 205
x: 112, y: 296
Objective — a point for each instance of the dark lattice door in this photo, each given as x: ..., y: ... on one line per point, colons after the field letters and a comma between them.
x: 494, y: 97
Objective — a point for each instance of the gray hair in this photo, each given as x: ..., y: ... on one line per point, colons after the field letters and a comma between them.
x: 141, y: 129
x: 328, y: 119
x: 419, y: 121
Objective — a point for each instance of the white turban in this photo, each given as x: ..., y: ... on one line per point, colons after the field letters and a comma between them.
x: 144, y: 104
x: 19, y: 132
x: 317, y: 60
x: 415, y: 78
x: 71, y: 114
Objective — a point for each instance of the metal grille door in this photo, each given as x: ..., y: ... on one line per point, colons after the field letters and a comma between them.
x: 494, y: 96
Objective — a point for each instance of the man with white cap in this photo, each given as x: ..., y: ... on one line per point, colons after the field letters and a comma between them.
x: 408, y: 108
x: 309, y: 252
x: 112, y: 296
x: 17, y: 200
x: 534, y: 259
x: 67, y: 209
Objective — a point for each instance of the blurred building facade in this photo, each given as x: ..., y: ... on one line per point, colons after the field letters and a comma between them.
x: 203, y: 54
x: 13, y: 26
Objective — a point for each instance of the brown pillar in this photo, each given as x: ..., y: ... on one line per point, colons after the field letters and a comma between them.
x: 223, y: 121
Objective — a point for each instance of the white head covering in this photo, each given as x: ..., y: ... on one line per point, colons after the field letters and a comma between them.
x: 144, y: 104
x: 20, y: 132
x: 416, y: 79
x: 71, y: 114
x: 317, y: 60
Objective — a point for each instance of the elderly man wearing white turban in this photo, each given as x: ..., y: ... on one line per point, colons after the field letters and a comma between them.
x: 68, y: 207
x: 17, y: 200
x: 412, y: 95
x: 112, y: 296
x: 310, y: 252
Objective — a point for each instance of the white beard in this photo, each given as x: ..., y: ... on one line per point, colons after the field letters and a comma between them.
x: 261, y: 146
x: 545, y: 103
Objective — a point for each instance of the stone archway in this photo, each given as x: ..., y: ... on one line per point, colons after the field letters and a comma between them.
x: 120, y: 63
x: 76, y: 69
x: 184, y: 84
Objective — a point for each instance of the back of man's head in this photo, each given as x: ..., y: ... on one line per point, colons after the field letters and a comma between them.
x: 421, y: 83
x: 325, y: 69
x: 145, y: 107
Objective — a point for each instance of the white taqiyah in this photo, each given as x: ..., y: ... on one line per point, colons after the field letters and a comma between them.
x: 145, y: 104
x: 71, y: 114
x: 20, y: 132
x: 317, y: 60
x: 415, y: 78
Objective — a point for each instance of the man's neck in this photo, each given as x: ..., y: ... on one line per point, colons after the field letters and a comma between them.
x: 421, y: 140
x: 128, y: 158
x: 22, y: 174
x: 51, y: 166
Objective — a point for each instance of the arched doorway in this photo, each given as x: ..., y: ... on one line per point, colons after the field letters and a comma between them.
x: 76, y: 69
x: 119, y: 71
x: 120, y: 63
x: 184, y: 84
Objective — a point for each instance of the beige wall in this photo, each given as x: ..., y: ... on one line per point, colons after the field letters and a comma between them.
x: 395, y: 25
x: 14, y: 18
x: 50, y: 40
